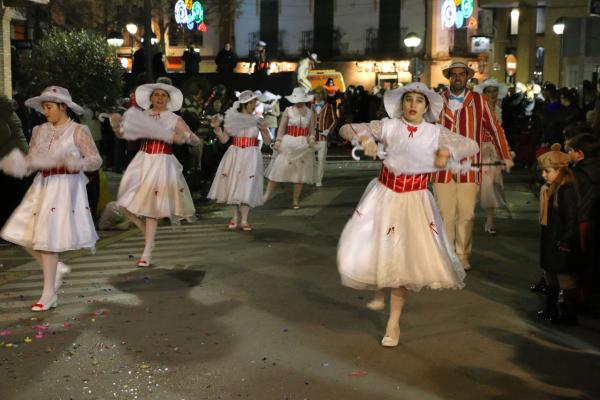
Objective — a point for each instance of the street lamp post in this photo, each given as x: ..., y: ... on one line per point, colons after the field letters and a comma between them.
x: 412, y: 41
x: 148, y: 42
x: 559, y: 29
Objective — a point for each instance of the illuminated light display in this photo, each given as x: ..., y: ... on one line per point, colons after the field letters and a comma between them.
x: 191, y: 14
x: 448, y: 13
x: 467, y: 8
x: 458, y: 13
x: 459, y: 20
x: 180, y: 12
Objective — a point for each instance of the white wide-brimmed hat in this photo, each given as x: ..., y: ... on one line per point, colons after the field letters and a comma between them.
x: 458, y: 64
x: 143, y: 93
x: 267, y: 97
x: 392, y: 100
x: 54, y: 94
x: 261, y: 43
x: 247, y: 95
x: 313, y: 56
x: 299, y: 96
x: 502, y: 88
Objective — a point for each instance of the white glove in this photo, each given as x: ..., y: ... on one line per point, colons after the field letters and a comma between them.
x: 370, y: 148
x: 325, y: 132
x: 14, y: 164
x: 311, y: 140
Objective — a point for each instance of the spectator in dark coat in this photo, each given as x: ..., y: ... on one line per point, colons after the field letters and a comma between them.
x: 226, y: 61
x: 191, y: 59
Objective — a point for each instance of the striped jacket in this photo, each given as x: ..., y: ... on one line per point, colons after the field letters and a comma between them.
x: 325, y: 118
x: 472, y: 120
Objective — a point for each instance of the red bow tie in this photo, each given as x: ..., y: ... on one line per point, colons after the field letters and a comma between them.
x: 411, y: 130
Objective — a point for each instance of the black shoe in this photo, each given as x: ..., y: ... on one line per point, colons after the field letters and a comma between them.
x: 540, y: 287
x: 550, y: 310
x: 567, y: 308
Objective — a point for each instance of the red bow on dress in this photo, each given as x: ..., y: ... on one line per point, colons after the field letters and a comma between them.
x: 411, y: 130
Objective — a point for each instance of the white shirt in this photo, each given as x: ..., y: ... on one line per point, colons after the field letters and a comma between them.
x: 456, y: 104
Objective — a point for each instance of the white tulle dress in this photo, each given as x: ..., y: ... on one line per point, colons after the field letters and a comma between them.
x: 396, y: 235
x: 54, y: 214
x: 295, y: 160
x: 153, y: 184
x: 239, y: 178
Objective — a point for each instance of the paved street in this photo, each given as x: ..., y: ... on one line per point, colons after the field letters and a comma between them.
x: 261, y: 315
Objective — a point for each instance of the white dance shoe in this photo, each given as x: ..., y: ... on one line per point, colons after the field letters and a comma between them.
x: 61, y: 270
x: 376, y: 305
x: 389, y: 341
x: 52, y: 303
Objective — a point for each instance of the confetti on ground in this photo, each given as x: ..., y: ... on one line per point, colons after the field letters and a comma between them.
x: 359, y: 373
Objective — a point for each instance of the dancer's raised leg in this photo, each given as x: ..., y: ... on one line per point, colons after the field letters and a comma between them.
x: 392, y: 331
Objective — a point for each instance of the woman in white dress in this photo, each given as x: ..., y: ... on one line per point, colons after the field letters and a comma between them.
x: 490, y: 191
x: 395, y: 238
x: 295, y: 152
x: 239, y: 178
x: 153, y: 186
x: 54, y: 215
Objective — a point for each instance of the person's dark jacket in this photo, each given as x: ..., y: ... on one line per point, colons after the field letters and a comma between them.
x: 559, y: 241
x: 587, y: 178
x: 226, y: 61
x: 191, y: 58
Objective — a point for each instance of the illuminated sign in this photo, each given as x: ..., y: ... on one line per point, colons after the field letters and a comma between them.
x: 191, y: 14
x: 458, y: 13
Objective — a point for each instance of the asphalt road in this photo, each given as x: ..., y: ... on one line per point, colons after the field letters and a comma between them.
x: 262, y: 315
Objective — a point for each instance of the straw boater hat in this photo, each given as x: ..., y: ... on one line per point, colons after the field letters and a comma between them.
x: 54, y: 94
x: 392, y: 100
x: 299, y: 96
x: 554, y: 158
x: 502, y: 88
x: 143, y: 93
x: 458, y: 64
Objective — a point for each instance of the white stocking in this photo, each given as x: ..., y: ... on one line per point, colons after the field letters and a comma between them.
x: 397, y: 300
x: 137, y: 221
x: 49, y: 262
x: 149, y: 236
x: 244, y: 210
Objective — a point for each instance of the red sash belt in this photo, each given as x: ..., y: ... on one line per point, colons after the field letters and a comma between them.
x: 56, y: 171
x: 296, y: 131
x: 402, y: 183
x: 243, y: 142
x: 152, y: 146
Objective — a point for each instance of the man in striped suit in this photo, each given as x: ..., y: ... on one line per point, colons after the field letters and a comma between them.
x: 466, y: 113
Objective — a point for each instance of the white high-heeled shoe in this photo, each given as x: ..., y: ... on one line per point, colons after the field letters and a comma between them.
x: 389, y: 341
x: 376, y: 305
x: 61, y: 270
x: 52, y: 303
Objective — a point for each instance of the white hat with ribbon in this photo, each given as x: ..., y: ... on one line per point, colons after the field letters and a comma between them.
x: 502, y: 88
x: 143, y: 93
x: 299, y: 96
x: 392, y: 100
x: 54, y: 94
